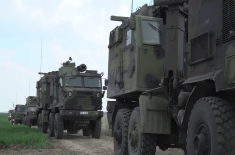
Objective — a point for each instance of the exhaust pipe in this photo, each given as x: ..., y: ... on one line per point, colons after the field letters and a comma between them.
x: 81, y: 68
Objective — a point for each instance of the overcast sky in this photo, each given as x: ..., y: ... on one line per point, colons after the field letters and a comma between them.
x: 76, y: 28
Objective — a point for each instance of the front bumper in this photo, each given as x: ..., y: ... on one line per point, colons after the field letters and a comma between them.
x: 81, y: 115
x: 18, y: 120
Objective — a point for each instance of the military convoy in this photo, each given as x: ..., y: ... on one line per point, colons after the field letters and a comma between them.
x: 70, y: 99
x: 30, y: 118
x: 171, y: 72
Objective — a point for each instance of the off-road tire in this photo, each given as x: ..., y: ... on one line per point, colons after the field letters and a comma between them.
x: 39, y: 122
x: 86, y: 132
x: 219, y: 117
x: 121, y: 122
x: 147, y: 142
x: 28, y: 122
x: 96, y: 129
x: 44, y: 127
x: 58, y: 126
x: 51, y: 124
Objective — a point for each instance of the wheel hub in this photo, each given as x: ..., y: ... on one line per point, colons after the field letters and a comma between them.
x: 118, y: 135
x: 202, y: 140
x: 134, y: 139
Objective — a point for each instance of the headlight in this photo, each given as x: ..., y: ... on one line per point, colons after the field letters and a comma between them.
x: 70, y: 93
x: 98, y: 95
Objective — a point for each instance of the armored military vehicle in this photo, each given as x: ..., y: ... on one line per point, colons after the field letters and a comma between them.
x: 171, y: 74
x: 19, y: 113
x: 11, y: 114
x: 72, y: 99
x: 44, y: 98
x: 30, y: 118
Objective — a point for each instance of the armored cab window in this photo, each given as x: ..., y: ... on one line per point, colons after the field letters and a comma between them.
x: 151, y: 31
x: 115, y: 36
x: 128, y: 37
x: 21, y: 109
x: 92, y: 81
x: 73, y: 81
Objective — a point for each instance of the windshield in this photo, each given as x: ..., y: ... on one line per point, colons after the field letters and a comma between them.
x: 33, y: 103
x: 13, y: 112
x: 92, y: 82
x: 73, y: 81
x: 151, y: 32
x: 21, y: 109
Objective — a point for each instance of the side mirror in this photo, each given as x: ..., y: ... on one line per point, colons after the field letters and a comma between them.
x: 102, y: 73
x: 104, y: 88
x: 106, y: 82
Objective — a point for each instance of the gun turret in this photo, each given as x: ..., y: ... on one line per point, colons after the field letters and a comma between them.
x: 118, y: 18
x: 81, y: 68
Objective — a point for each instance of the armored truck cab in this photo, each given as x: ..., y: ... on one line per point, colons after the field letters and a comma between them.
x: 136, y: 55
x: 19, y: 113
x: 11, y: 114
x: 77, y: 101
x: 30, y: 115
x: 44, y: 98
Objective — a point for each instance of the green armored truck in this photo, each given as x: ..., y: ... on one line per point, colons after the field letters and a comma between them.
x: 30, y: 118
x: 171, y: 72
x: 11, y: 115
x: 72, y: 100
x: 19, y: 114
x: 44, y: 98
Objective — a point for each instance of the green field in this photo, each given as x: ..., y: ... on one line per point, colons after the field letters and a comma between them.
x: 11, y: 135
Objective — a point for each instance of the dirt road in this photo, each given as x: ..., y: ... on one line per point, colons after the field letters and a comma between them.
x: 76, y: 144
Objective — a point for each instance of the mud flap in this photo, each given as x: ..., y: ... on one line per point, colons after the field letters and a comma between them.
x: 155, y: 117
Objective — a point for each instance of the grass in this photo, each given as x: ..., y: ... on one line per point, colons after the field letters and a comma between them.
x: 11, y: 135
x: 105, y: 126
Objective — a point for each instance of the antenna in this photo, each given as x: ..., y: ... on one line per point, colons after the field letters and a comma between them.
x: 41, y: 57
x: 29, y: 84
x: 132, y: 6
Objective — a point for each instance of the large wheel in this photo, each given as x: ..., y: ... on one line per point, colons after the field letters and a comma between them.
x: 51, y: 124
x: 58, y: 126
x: 140, y: 143
x: 28, y: 122
x: 120, y: 132
x: 39, y: 122
x: 211, y: 128
x: 86, y: 132
x: 96, y: 129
